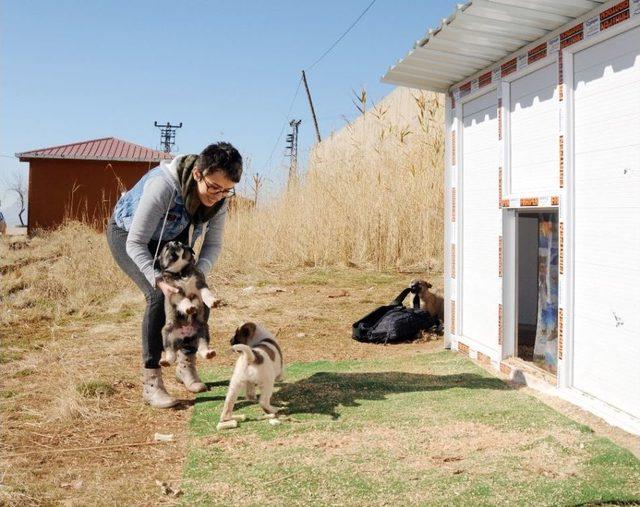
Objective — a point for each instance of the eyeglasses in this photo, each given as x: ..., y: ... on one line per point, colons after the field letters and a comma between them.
x: 215, y: 189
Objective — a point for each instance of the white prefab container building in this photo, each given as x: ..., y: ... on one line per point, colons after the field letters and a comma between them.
x: 542, y: 236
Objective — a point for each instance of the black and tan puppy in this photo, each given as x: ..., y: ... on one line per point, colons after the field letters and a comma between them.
x: 186, y: 323
x: 260, y: 364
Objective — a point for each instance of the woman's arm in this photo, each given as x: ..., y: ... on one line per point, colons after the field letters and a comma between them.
x: 212, y: 243
x: 154, y: 202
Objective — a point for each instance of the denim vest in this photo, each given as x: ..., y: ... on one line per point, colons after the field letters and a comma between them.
x: 177, y: 218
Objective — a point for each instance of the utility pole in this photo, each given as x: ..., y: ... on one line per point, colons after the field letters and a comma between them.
x: 313, y: 111
x: 167, y: 135
x: 292, y: 146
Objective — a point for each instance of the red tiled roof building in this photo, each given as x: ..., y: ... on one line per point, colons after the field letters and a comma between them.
x: 83, y: 180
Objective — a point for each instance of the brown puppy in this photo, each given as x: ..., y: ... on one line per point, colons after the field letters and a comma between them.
x: 430, y: 301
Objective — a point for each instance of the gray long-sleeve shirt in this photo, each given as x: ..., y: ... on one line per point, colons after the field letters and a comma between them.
x: 158, y: 196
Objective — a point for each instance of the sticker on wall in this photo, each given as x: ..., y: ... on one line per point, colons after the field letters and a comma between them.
x: 495, y: 75
x: 499, y: 119
x: 561, y: 247
x: 499, y: 324
x: 485, y: 78
x: 528, y: 201
x: 560, y: 79
x: 553, y: 45
x: 537, y: 53
x: 508, y: 67
x: 523, y: 61
x: 465, y: 89
x: 561, y: 148
x: 571, y: 36
x: 452, y: 327
x: 614, y: 15
x: 560, y: 333
x: 453, y: 204
x: 592, y: 26
x: 453, y: 260
x: 500, y: 256
x: 453, y: 147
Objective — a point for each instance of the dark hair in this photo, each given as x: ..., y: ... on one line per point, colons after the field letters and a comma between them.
x: 221, y: 157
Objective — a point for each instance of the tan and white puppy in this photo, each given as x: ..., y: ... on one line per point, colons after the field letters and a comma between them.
x: 260, y: 364
x: 430, y: 301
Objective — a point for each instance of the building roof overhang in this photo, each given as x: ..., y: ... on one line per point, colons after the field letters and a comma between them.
x: 479, y: 34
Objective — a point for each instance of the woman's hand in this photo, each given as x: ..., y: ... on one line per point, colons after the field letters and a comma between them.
x: 166, y: 289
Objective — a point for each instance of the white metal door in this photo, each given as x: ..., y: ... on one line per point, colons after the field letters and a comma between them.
x: 480, y: 214
x: 606, y: 343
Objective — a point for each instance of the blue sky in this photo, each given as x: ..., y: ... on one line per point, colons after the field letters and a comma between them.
x: 74, y: 70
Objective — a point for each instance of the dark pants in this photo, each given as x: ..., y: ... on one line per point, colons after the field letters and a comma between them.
x: 154, y: 318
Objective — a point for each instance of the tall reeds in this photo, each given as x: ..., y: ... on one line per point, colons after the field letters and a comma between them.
x: 372, y: 196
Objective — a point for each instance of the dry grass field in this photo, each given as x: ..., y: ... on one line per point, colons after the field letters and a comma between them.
x: 74, y: 427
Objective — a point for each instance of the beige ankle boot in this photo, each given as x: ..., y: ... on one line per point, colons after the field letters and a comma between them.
x: 153, y: 391
x: 187, y: 374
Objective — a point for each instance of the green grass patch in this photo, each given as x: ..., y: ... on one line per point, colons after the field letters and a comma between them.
x: 430, y: 429
x: 8, y: 356
x: 95, y: 389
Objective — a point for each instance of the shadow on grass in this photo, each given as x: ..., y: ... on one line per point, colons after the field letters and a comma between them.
x: 323, y: 392
x: 596, y: 503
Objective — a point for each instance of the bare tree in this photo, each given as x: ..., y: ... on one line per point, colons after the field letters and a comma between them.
x: 256, y: 185
x: 18, y: 185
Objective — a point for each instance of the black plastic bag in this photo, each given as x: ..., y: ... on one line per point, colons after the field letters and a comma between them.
x: 394, y: 323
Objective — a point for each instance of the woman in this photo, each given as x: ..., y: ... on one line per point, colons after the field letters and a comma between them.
x: 175, y: 201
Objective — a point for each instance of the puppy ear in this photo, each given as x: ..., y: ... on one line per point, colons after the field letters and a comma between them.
x: 248, y: 330
x: 428, y: 285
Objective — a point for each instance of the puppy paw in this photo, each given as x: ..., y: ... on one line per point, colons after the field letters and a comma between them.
x: 186, y: 307
x: 227, y: 425
x: 168, y: 358
x: 209, y: 299
x: 207, y: 353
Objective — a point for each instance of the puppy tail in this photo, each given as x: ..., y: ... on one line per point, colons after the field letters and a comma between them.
x: 246, y: 351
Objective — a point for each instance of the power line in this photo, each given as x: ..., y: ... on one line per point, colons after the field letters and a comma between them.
x: 341, y: 37
x: 295, y: 95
